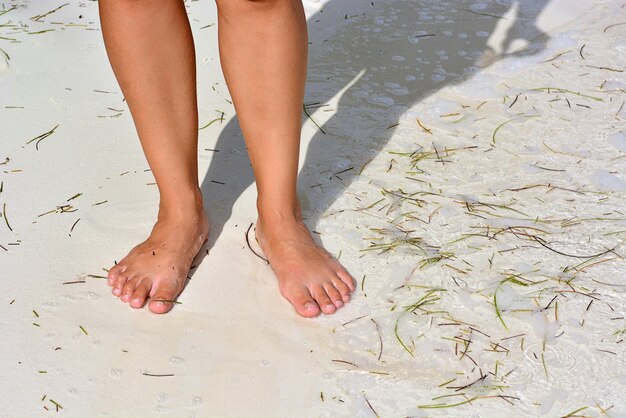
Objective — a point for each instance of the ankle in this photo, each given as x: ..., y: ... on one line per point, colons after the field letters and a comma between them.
x: 279, y: 213
x: 183, y: 204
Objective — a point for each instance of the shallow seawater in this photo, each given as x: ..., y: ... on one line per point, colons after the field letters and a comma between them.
x: 490, y: 265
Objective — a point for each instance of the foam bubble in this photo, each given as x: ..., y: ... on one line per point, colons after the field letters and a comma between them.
x: 176, y: 360
x: 618, y: 140
x: 605, y: 180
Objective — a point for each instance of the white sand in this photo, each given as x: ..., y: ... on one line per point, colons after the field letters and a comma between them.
x: 233, y: 345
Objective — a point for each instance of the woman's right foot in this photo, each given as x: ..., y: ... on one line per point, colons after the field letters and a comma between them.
x: 157, y: 268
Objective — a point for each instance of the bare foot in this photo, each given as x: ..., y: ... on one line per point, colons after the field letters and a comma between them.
x: 158, y: 267
x: 309, y: 277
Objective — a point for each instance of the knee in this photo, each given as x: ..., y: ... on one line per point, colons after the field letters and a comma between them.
x: 244, y: 6
x: 128, y: 5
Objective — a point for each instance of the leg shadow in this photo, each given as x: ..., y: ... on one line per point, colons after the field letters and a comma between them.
x: 404, y: 50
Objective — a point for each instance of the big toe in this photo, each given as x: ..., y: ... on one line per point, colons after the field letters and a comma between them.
x: 303, y: 302
x: 161, y: 306
x: 163, y: 300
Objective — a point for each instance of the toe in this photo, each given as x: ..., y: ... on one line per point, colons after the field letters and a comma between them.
x: 343, y: 289
x: 327, y: 305
x: 128, y: 289
x: 161, y: 305
x: 140, y: 294
x: 346, y: 278
x: 302, y: 301
x: 163, y: 299
x: 120, y: 281
x: 113, y: 273
x: 334, y: 295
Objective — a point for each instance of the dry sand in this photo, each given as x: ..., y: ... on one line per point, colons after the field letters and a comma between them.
x: 470, y: 174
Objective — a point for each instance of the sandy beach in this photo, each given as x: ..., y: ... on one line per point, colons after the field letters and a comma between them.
x: 465, y: 160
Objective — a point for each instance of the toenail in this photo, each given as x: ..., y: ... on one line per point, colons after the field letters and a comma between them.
x: 339, y: 303
x: 117, y: 292
x: 330, y: 306
x: 309, y: 306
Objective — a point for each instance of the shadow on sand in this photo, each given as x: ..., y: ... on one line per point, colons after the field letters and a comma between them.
x: 403, y: 50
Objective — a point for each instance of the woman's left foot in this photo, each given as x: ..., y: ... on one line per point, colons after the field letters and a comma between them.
x: 309, y: 277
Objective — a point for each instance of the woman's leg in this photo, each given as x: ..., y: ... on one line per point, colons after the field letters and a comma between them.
x: 263, y: 51
x: 151, y: 51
